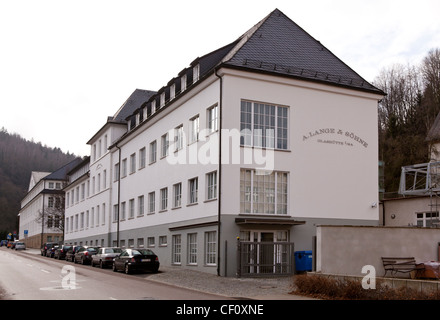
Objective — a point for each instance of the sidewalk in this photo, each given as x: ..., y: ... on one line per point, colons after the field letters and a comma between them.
x: 271, y: 288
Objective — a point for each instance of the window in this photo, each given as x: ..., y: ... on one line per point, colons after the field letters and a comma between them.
x: 123, y: 210
x: 194, y: 129
x: 427, y: 219
x: 163, y: 199
x: 178, y: 138
x: 183, y: 83
x: 165, y: 145
x: 163, y: 241
x: 140, y: 242
x: 172, y: 91
x: 132, y: 163
x: 50, y: 203
x: 151, y: 202
x: 150, y: 242
x: 177, y: 199
x: 115, y: 212
x: 141, y: 206
x: 192, y: 248
x: 142, y: 158
x: 193, y: 190
x: 104, y: 179
x: 116, y: 178
x: 211, y: 181
x: 153, y: 151
x: 263, y: 125
x: 210, y: 247
x: 131, y: 208
x: 263, y: 193
x: 124, y: 168
x: 176, y: 250
x: 212, y: 117
x: 196, y: 73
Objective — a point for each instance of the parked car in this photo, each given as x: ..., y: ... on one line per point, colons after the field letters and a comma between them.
x: 84, y: 254
x: 70, y: 254
x: 50, y: 252
x: 136, y: 260
x: 105, y: 256
x: 20, y: 246
x: 60, y: 252
x: 46, y: 246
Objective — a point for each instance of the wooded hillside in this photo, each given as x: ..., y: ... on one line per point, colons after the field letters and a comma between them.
x: 406, y: 114
x: 18, y: 158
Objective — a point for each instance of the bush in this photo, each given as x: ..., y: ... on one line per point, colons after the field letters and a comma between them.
x: 323, y: 287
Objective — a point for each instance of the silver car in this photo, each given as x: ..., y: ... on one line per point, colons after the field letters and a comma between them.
x: 20, y: 246
x: 105, y: 256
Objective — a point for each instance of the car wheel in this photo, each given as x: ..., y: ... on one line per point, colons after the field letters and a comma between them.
x: 127, y: 269
x: 114, y: 267
x: 82, y: 261
x: 101, y: 265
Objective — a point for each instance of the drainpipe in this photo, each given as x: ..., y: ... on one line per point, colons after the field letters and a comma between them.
x: 219, y: 179
x: 119, y: 196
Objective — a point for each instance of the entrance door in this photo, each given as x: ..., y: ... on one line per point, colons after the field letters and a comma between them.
x: 266, y: 253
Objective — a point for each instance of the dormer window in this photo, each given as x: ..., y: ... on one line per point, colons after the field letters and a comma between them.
x: 153, y: 106
x: 145, y: 113
x: 162, y: 99
x: 172, y: 91
x: 196, y: 73
x: 183, y: 83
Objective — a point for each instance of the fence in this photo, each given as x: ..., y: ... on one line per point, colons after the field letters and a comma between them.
x: 265, y: 258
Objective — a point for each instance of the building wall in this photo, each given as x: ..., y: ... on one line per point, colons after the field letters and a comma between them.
x: 347, y: 249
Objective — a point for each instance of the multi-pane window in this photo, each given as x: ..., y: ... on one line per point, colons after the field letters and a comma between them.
x: 141, y: 206
x: 211, y: 181
x: 192, y: 248
x: 142, y: 158
x: 177, y: 195
x: 263, y: 193
x: 153, y: 151
x: 133, y: 163
x: 165, y: 145
x: 163, y: 198
x: 427, y: 219
x: 124, y: 167
x: 131, y: 208
x: 116, y: 176
x: 194, y: 128
x: 115, y: 212
x: 210, y: 248
x: 151, y: 202
x: 178, y: 138
x: 212, y: 116
x: 123, y: 210
x: 193, y: 190
x: 263, y: 125
x: 176, y: 249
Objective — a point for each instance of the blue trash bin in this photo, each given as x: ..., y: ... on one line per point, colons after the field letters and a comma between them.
x: 303, y: 260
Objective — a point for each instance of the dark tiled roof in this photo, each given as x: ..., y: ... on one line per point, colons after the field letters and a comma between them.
x: 61, y: 173
x: 278, y: 45
x: 134, y: 102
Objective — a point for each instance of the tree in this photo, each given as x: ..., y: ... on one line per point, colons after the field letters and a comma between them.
x: 52, y: 216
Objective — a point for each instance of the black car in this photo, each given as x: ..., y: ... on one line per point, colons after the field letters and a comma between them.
x: 70, y: 254
x: 46, y: 246
x: 84, y: 254
x: 60, y: 252
x: 136, y: 260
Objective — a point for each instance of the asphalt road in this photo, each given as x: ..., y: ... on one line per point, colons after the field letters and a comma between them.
x: 32, y: 277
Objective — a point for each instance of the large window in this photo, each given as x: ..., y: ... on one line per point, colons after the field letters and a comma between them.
x: 176, y: 249
x: 194, y: 129
x: 177, y: 195
x: 163, y: 199
x: 212, y: 116
x: 165, y: 145
x: 427, y: 219
x: 211, y: 182
x: 263, y: 125
x: 153, y: 151
x: 193, y: 190
x: 210, y: 248
x: 263, y: 193
x: 192, y: 248
x: 178, y: 138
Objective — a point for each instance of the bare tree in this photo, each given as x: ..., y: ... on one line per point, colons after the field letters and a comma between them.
x: 52, y: 216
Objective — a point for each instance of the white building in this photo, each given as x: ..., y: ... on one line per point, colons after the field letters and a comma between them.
x: 42, y: 207
x: 258, y: 141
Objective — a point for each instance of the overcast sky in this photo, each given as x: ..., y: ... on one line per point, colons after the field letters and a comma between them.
x: 67, y: 65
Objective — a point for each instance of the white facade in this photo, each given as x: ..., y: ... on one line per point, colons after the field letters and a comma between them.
x: 251, y: 155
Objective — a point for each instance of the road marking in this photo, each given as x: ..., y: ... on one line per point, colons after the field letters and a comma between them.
x: 42, y: 270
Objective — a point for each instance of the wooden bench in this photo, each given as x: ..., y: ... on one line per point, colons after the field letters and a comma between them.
x: 404, y: 265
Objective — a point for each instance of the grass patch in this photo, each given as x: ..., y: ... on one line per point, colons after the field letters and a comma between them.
x: 327, y: 288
